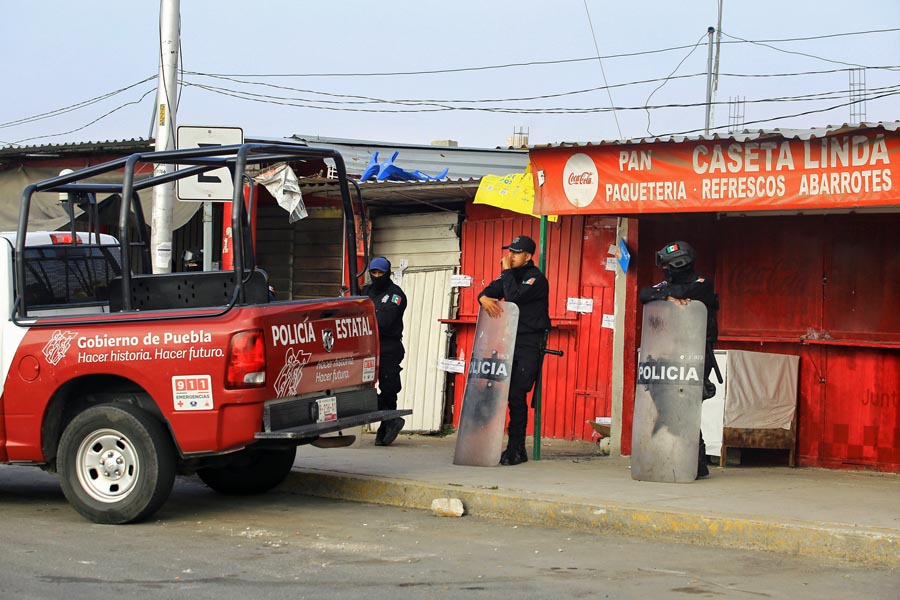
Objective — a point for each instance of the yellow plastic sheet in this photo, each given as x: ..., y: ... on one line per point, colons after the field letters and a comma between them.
x: 510, y: 192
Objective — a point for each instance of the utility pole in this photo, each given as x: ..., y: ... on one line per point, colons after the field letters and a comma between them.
x: 715, y: 81
x: 166, y: 99
x: 709, y: 77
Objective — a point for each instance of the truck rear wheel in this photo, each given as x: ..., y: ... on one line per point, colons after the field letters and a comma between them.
x: 116, y: 463
x: 251, y: 471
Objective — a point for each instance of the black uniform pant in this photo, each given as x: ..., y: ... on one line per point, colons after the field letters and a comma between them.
x: 388, y: 383
x: 702, y: 467
x: 525, y: 367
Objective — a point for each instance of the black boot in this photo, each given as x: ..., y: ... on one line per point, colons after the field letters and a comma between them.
x: 515, y: 453
x: 702, y: 466
x: 391, y: 429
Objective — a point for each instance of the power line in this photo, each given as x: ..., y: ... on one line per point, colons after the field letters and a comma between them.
x: 600, y: 62
x: 832, y: 35
x: 103, y: 116
x: 435, y: 105
x: 594, y: 58
x: 837, y: 62
x: 549, y: 62
x: 370, y: 99
x: 800, y: 114
x: 438, y: 105
x: 659, y: 87
x: 423, y: 107
x: 73, y: 107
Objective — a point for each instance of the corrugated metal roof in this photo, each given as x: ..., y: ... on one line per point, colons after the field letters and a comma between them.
x: 467, y: 166
x: 398, y: 192
x: 55, y: 150
x: 463, y: 163
x: 747, y: 135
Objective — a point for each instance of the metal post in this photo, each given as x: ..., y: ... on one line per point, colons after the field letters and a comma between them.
x: 207, y: 235
x: 709, y: 77
x: 166, y: 95
x: 536, y: 397
x: 715, y: 69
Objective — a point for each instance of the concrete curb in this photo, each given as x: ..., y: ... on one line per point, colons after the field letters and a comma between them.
x: 864, y: 545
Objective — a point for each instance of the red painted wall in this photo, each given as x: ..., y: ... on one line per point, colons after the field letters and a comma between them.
x: 820, y: 287
x: 576, y: 387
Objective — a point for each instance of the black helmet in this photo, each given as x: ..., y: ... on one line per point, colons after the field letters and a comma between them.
x: 676, y: 256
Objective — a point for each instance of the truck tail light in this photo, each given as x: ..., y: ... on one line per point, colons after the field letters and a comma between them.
x: 64, y: 238
x: 246, y: 361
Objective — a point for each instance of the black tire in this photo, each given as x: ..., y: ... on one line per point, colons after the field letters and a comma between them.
x: 116, y: 463
x: 251, y: 471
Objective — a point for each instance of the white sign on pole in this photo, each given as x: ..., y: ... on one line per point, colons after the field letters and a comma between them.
x: 213, y: 185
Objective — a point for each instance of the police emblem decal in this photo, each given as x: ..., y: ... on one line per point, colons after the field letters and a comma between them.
x: 328, y: 340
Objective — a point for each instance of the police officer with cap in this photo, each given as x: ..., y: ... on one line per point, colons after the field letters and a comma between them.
x: 390, y: 304
x: 681, y: 285
x: 521, y: 283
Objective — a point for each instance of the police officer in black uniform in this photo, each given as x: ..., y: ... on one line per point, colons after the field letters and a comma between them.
x: 681, y: 285
x: 390, y: 304
x: 523, y: 284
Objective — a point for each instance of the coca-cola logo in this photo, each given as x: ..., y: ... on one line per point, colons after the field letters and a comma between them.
x: 580, y: 180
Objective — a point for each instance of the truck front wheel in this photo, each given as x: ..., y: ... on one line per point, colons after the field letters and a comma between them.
x: 116, y: 463
x: 250, y: 471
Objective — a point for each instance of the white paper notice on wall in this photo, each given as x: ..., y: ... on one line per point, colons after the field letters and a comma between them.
x: 609, y: 321
x: 452, y: 366
x: 398, y: 271
x: 581, y: 305
x: 460, y: 281
x: 611, y: 263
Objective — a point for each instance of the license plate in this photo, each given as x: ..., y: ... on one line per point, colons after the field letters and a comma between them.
x: 327, y: 409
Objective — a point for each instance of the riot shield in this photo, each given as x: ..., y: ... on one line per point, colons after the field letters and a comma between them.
x: 485, y: 399
x: 665, y: 436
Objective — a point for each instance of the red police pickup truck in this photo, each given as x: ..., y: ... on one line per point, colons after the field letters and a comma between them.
x: 118, y: 379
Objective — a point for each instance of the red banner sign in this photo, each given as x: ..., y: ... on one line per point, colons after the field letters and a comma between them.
x: 840, y: 171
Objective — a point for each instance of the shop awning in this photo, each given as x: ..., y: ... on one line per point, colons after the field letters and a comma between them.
x: 834, y: 168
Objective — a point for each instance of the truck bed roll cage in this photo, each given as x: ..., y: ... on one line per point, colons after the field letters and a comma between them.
x: 188, y: 163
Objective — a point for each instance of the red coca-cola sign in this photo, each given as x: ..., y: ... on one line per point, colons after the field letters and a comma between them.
x: 580, y: 180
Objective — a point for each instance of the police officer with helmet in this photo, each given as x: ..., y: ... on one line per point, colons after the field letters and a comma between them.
x: 390, y: 304
x: 681, y: 285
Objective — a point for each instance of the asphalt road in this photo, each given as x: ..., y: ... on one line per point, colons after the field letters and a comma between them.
x: 202, y: 545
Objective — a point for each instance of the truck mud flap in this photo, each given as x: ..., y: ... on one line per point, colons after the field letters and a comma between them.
x: 316, y: 429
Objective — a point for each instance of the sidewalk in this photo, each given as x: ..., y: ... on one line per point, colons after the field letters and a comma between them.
x: 845, y: 515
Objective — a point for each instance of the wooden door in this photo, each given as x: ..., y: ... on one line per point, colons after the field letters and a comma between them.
x: 593, y: 338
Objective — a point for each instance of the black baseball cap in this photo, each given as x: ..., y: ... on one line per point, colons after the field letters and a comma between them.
x: 521, y: 243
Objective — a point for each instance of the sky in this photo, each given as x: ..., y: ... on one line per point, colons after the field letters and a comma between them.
x: 473, y: 71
